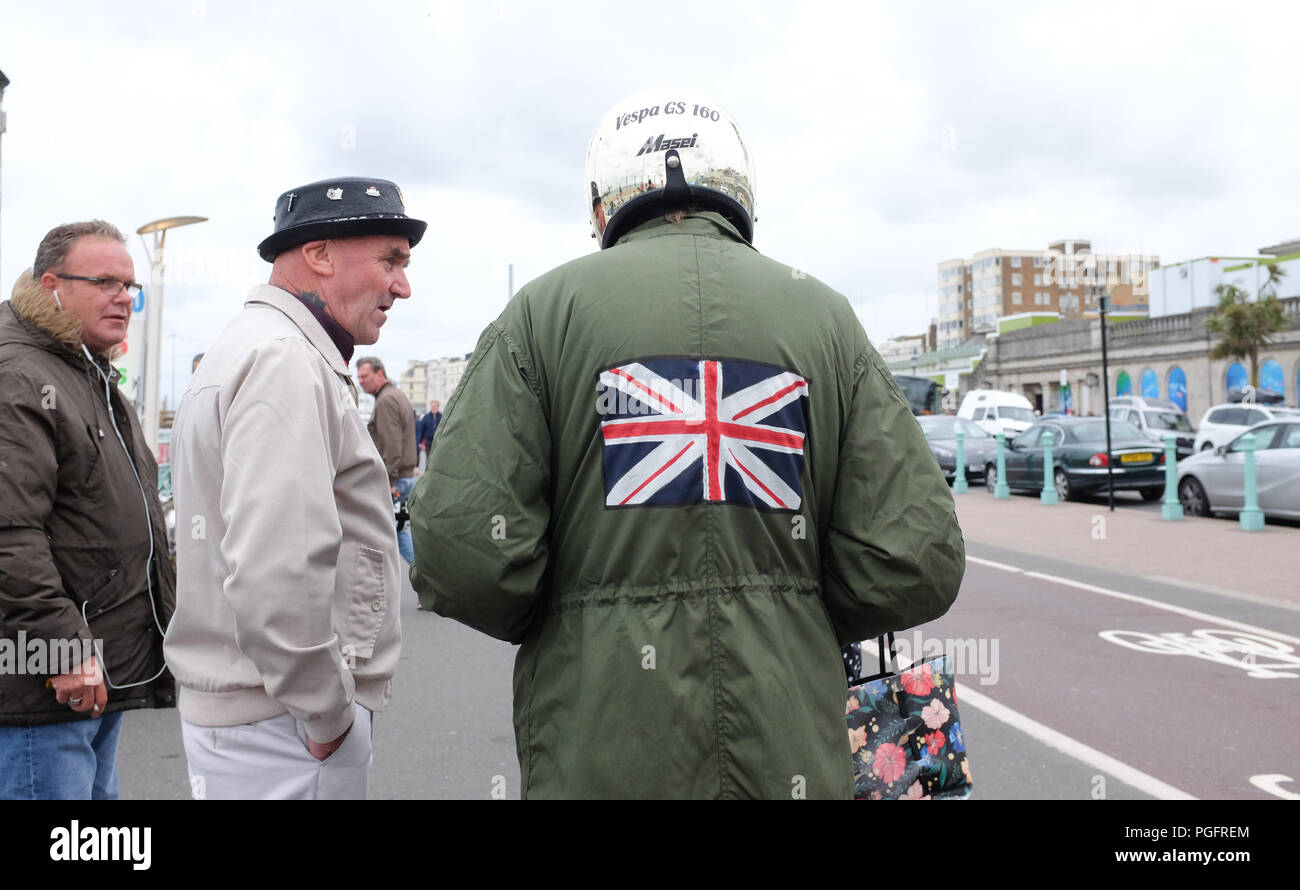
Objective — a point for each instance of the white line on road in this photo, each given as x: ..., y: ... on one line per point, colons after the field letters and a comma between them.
x: 1076, y: 749
x: 1231, y: 594
x: 1190, y: 613
x: 991, y: 564
x: 1063, y: 743
x: 1272, y: 783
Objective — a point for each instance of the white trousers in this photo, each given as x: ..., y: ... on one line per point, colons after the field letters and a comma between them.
x: 269, y: 760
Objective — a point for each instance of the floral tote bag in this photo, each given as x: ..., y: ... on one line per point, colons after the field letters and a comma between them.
x: 905, y: 732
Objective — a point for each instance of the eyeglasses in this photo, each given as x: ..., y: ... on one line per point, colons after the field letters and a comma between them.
x: 109, y: 287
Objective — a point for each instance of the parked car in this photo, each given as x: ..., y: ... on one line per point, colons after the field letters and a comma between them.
x: 1223, y: 423
x: 1214, y: 481
x: 1080, y: 459
x: 1153, y: 421
x: 996, y: 412
x: 1251, y: 395
x: 979, y: 446
x: 1140, y: 402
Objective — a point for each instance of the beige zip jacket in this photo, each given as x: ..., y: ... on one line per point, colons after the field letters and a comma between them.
x: 287, y: 562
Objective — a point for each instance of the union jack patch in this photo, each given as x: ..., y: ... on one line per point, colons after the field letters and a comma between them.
x: 683, y: 431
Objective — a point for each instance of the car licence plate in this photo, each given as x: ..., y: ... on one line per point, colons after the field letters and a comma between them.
x: 1141, y: 457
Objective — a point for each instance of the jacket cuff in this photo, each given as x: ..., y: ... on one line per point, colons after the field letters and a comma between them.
x: 327, y: 729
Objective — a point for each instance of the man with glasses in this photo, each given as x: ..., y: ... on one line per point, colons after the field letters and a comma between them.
x: 86, y: 583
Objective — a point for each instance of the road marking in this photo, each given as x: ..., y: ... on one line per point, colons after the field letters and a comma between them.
x: 991, y: 564
x: 1217, y: 646
x: 1074, y: 748
x: 1272, y: 783
x: 1190, y: 613
x: 1220, y: 591
x: 1061, y: 742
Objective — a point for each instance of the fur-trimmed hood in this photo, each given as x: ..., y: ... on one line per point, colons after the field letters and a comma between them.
x: 33, y: 305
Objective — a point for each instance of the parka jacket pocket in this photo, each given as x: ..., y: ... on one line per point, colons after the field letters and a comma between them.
x: 366, y: 604
x: 95, y: 589
x: 93, y: 458
x: 113, y: 587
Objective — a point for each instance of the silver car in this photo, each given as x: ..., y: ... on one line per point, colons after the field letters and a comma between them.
x: 1214, y: 481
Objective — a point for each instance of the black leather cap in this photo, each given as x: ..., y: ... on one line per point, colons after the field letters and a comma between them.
x: 339, y: 208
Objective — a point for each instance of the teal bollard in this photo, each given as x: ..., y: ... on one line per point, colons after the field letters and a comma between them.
x: 959, y: 485
x: 1049, y: 486
x: 1171, y: 508
x: 1252, y: 518
x: 1001, y: 489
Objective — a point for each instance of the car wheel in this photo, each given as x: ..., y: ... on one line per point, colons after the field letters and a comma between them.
x: 1062, y: 480
x: 1192, y: 496
x: 1207, y: 446
x: 1152, y: 494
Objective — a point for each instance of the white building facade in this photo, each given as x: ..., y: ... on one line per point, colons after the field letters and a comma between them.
x: 1189, y: 285
x: 443, y: 376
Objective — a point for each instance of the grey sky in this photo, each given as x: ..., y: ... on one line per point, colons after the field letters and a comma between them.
x: 887, y: 137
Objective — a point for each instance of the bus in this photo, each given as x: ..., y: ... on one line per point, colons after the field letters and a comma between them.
x: 922, y: 393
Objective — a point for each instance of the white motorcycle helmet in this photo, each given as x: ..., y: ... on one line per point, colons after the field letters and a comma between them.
x: 667, y: 148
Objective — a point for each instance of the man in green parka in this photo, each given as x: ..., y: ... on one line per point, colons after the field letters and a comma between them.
x: 679, y: 476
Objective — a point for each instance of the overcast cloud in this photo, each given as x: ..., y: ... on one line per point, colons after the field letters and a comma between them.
x: 887, y: 137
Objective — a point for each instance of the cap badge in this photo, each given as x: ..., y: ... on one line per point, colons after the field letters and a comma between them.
x: 289, y: 207
x: 372, y: 192
x: 334, y: 194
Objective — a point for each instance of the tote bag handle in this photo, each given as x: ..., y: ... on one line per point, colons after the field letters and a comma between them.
x: 887, y: 666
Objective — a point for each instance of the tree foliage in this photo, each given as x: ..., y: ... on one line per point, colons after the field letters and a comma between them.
x: 1244, y: 325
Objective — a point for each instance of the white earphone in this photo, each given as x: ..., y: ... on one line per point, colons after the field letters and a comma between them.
x: 57, y: 301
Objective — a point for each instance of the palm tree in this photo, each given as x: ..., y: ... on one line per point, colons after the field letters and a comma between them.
x: 1244, y: 325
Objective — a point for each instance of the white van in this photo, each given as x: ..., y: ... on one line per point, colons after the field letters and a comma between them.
x: 996, y: 412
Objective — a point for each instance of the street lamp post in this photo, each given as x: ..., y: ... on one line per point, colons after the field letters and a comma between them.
x: 150, y: 379
x: 4, y: 82
x: 1103, y: 303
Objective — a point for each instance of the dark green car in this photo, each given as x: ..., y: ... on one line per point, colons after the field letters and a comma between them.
x: 1080, y: 459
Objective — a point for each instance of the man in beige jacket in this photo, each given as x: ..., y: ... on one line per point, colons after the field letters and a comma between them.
x: 286, y: 633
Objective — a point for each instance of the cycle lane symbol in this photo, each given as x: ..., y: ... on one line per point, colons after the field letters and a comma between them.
x: 1259, y: 656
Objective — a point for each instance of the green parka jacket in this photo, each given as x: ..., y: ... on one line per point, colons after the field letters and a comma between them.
x: 679, y: 650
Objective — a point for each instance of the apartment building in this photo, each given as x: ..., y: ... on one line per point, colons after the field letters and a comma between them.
x: 443, y: 376
x: 414, y: 382
x: 1066, y: 278
x: 899, y: 349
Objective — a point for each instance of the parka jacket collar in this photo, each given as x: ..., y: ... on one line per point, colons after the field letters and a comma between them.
x: 704, y: 222
x: 301, y: 316
x: 45, y: 325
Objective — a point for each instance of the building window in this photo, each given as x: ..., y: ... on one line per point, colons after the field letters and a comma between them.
x: 1015, y: 279
x: 1038, y: 281
x: 1015, y: 262
x: 1015, y: 297
x: 1038, y: 262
